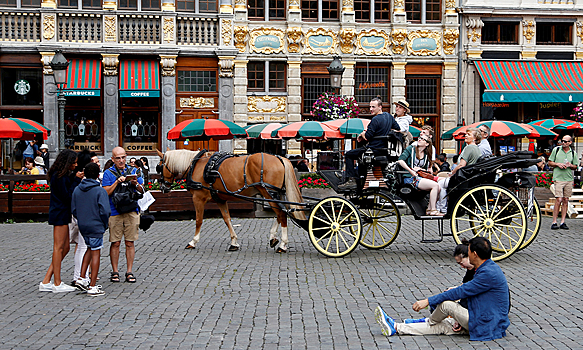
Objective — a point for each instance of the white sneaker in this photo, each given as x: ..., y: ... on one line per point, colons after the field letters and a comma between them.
x: 95, y: 291
x: 82, y: 284
x: 45, y: 287
x: 63, y: 287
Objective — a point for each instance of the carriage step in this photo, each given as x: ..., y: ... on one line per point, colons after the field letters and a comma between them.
x: 431, y: 217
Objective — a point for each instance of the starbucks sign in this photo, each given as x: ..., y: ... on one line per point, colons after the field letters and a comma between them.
x: 22, y: 87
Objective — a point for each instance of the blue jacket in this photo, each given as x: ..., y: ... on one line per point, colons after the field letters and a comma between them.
x: 90, y: 205
x: 487, y: 295
x: 380, y: 125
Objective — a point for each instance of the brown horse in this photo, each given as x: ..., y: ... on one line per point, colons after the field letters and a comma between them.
x: 277, y: 172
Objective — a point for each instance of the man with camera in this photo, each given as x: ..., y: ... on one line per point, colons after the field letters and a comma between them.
x: 124, y: 188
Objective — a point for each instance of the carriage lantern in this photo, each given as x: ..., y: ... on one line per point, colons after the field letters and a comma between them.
x: 336, y: 69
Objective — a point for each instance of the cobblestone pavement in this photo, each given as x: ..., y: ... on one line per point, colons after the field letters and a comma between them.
x: 255, y: 298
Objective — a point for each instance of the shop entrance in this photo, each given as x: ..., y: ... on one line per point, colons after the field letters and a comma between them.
x: 211, y: 145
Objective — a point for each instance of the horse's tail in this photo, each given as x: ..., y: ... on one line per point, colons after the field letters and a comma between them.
x: 292, y: 191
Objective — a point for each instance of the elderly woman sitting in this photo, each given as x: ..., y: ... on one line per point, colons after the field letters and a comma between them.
x: 415, y: 158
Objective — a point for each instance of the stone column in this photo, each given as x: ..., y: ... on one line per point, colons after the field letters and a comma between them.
x: 449, y: 100
x: 241, y: 10
x: 110, y: 5
x: 168, y: 6
x: 226, y: 6
x: 226, y: 99
x: 111, y: 126
x: 51, y: 4
x: 294, y: 14
x: 240, y: 100
x: 398, y: 83
x: 168, y: 93
x: 399, y: 15
x: 528, y: 38
x: 348, y: 15
x: 474, y: 34
x: 50, y: 106
x: 579, y: 42
x: 294, y: 100
x: 348, y: 78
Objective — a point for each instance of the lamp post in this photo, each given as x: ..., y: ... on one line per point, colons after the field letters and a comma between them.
x: 335, y: 69
x: 59, y: 66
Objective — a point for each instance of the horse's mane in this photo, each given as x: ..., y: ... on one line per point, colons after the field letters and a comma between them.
x: 179, y: 160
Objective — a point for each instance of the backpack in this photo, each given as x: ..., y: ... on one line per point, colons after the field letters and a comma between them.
x: 556, y: 149
x: 124, y: 197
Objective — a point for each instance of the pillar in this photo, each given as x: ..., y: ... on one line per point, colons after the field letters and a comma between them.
x: 50, y: 107
x: 226, y: 98
x: 168, y: 93
x: 240, y: 100
x: 110, y: 103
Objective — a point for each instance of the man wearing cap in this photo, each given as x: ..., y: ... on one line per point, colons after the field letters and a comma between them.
x: 380, y: 125
x: 402, y: 115
x: 44, y: 153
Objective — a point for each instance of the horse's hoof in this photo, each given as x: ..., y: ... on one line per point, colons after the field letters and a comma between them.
x: 273, y: 242
x: 233, y: 248
x: 279, y: 250
x: 188, y: 246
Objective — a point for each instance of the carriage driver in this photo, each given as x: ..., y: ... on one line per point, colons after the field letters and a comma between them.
x: 380, y: 125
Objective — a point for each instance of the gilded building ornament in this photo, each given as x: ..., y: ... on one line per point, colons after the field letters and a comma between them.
x: 266, y: 40
x: 320, y: 42
x: 450, y: 7
x: 474, y: 26
x: 197, y: 102
x: 580, y: 30
x: 450, y: 39
x: 423, y: 43
x: 226, y: 65
x: 168, y: 65
x: 110, y: 63
x: 46, y: 58
x: 110, y: 24
x: 372, y: 42
x: 168, y: 29
x: 241, y: 4
x: 256, y: 118
x: 347, y: 5
x: 49, y: 26
x: 266, y: 104
x: 399, y: 37
x: 294, y: 35
x: 347, y: 36
x: 528, y: 30
x: 399, y: 6
x: 294, y: 4
x: 275, y: 118
x: 52, y: 4
x: 110, y: 5
x: 240, y: 33
x: 226, y: 31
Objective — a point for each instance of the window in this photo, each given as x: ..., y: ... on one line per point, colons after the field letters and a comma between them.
x: 151, y: 5
x: 271, y: 74
x: 197, y: 81
x: 9, y: 3
x: 415, y: 13
x: 204, y: 6
x: 500, y: 33
x: 65, y: 3
x: 257, y: 9
x: 554, y: 33
x: 31, y: 80
x: 379, y: 9
x: 371, y: 82
x: 128, y: 4
x: 423, y: 95
x: 92, y: 4
x: 33, y: 3
x: 320, y: 10
x: 207, y: 6
x: 313, y: 87
x: 185, y: 5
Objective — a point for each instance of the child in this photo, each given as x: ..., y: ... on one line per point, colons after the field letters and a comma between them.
x: 90, y: 205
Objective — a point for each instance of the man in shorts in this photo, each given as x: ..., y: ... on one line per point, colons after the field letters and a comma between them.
x: 563, y: 161
x: 122, y: 225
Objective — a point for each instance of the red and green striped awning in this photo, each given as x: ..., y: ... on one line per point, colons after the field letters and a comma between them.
x: 83, y: 78
x: 531, y: 81
x: 139, y: 78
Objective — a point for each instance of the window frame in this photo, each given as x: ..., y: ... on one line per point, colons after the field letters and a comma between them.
x: 178, y: 83
x: 142, y: 8
x: 410, y: 99
x: 553, y: 26
x: 268, y: 6
x: 498, y: 31
x: 364, y: 105
x: 307, y: 115
x: 267, y: 77
x: 372, y: 13
x: 422, y: 12
x: 196, y: 5
x: 320, y: 10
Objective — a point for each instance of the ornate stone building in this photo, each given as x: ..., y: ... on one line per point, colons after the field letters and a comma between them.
x: 139, y: 67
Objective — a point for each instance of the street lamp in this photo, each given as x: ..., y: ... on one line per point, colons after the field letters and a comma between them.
x: 336, y: 69
x: 59, y: 66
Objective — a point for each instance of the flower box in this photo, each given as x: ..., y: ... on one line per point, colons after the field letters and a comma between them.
x: 318, y: 192
x: 4, y: 202
x: 30, y: 202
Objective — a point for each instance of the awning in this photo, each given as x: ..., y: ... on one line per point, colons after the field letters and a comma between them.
x: 83, y: 78
x: 531, y: 81
x: 139, y: 79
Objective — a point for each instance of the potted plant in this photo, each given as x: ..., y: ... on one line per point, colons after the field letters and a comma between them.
x: 330, y: 106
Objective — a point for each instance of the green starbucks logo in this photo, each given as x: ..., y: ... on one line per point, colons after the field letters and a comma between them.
x: 22, y: 87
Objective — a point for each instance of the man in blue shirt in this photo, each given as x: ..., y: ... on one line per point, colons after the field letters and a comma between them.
x: 122, y: 225
x: 486, y: 317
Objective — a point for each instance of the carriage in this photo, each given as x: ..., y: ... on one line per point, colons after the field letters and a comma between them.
x: 482, y: 201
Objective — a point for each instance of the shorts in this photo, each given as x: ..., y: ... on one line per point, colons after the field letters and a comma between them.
x: 413, y: 181
x: 563, y: 189
x: 73, y: 230
x: 94, y: 243
x: 124, y: 226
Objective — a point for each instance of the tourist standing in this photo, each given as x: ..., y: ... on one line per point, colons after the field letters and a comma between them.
x: 563, y: 161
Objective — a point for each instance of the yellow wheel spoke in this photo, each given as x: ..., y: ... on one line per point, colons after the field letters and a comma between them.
x: 324, y: 236
x: 469, y: 210
x: 477, y: 205
x: 328, y: 216
x: 468, y: 229
x: 329, y: 223
x: 502, y: 210
x: 506, y: 234
x: 486, y: 202
x: 367, y: 231
x: 329, y: 241
x: 347, y: 232
x: 517, y: 215
x: 470, y: 220
x: 344, y: 240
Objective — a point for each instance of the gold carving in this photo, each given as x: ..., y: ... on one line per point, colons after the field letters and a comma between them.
x: 274, y: 118
x: 168, y: 64
x: 110, y: 63
x: 226, y: 8
x: 399, y: 37
x: 474, y: 35
x: 450, y: 39
x: 168, y: 6
x: 320, y: 47
x: 580, y: 30
x: 49, y: 27
x: 168, y: 28
x: 347, y: 36
x: 450, y: 7
x: 46, y: 58
x: 110, y: 23
x: 256, y: 118
x: 52, y: 4
x: 377, y: 45
x: 294, y: 35
x: 266, y: 104
x: 226, y: 31
x: 241, y: 5
x: 528, y: 30
x: 294, y: 4
x: 347, y: 5
x: 240, y: 33
x: 110, y: 5
x: 197, y: 102
x: 226, y: 65
x: 424, y: 34
x: 474, y: 29
x: 399, y: 6
x: 260, y: 32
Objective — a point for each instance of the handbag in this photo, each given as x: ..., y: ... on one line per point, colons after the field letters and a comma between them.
x: 426, y: 175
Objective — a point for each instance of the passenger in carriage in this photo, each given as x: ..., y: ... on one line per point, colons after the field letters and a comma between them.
x: 413, y: 159
x: 484, y: 145
x: 381, y: 125
x: 427, y: 130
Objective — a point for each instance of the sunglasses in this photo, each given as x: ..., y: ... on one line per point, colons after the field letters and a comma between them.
x: 566, y: 140
x: 424, y: 139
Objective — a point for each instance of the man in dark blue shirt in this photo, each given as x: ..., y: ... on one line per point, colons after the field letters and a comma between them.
x: 380, y: 125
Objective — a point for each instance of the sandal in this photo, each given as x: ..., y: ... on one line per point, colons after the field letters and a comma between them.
x: 114, y: 277
x: 435, y: 213
x: 130, y: 277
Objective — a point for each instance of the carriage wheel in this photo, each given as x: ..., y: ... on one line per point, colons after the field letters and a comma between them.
x: 334, y: 227
x: 492, y: 212
x: 534, y: 221
x: 381, y: 220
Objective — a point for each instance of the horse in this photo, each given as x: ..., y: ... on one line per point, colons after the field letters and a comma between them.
x: 258, y: 173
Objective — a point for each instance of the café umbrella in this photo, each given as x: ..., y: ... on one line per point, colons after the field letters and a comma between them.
x: 306, y: 130
x: 206, y: 129
x: 557, y: 123
x: 348, y: 126
x: 262, y: 131
x: 499, y: 128
x: 22, y: 129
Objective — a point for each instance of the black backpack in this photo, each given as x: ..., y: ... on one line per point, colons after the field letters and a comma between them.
x: 124, y: 197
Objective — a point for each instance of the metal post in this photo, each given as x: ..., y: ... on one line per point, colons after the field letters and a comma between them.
x: 62, y: 101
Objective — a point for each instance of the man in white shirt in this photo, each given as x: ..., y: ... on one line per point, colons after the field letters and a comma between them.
x: 402, y: 115
x: 484, y: 145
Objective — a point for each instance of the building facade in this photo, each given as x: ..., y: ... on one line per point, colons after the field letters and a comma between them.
x: 139, y: 67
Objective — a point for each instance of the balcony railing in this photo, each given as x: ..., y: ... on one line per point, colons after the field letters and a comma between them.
x: 84, y: 28
x: 197, y: 31
x: 20, y: 26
